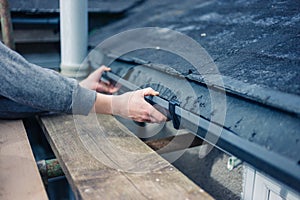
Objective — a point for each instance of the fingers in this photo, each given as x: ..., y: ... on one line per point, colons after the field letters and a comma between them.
x: 102, y: 69
x: 114, y: 89
x: 149, y: 91
x: 96, y: 75
x: 150, y: 115
x: 102, y: 86
x: 107, y: 87
x: 133, y: 105
x: 156, y: 116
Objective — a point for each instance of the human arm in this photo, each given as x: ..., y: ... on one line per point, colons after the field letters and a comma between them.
x: 129, y: 105
x: 31, y: 86
x: 94, y: 82
x: 42, y: 89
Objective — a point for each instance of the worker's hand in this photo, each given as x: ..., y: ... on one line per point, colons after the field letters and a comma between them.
x: 93, y: 82
x: 133, y: 105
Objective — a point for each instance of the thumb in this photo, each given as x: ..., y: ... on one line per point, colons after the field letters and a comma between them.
x: 101, y: 69
x: 149, y: 91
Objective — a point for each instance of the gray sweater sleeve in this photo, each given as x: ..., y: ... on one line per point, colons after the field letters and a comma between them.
x: 40, y: 88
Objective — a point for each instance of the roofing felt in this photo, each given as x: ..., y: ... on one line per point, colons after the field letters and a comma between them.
x: 256, y: 48
x: 39, y: 6
x: 256, y: 43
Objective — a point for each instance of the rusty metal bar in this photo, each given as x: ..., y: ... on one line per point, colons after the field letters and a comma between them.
x: 6, y: 25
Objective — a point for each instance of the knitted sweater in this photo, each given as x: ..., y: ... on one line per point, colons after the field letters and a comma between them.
x: 26, y: 84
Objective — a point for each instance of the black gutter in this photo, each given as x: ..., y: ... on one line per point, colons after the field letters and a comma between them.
x: 275, y: 165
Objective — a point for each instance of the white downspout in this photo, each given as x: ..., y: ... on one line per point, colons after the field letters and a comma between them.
x: 73, y: 37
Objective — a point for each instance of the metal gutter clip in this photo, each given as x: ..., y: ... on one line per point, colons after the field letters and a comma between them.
x: 169, y: 111
x: 175, y: 118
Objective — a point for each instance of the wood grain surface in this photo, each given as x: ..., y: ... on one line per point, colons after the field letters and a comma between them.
x: 103, y: 160
x: 19, y: 176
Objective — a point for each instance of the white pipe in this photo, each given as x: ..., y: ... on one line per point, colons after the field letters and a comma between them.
x: 73, y: 37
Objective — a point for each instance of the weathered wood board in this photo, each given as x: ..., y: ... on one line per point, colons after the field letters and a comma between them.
x: 103, y: 160
x: 19, y: 175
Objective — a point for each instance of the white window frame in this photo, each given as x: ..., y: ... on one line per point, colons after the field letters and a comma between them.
x: 258, y: 186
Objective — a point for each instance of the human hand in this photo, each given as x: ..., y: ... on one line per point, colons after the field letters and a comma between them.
x: 133, y: 105
x: 93, y: 82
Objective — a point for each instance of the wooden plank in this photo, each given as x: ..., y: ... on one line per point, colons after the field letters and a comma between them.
x: 102, y: 159
x: 19, y: 176
x: 174, y: 143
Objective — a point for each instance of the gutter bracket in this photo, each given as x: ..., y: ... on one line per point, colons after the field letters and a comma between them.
x: 175, y: 118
